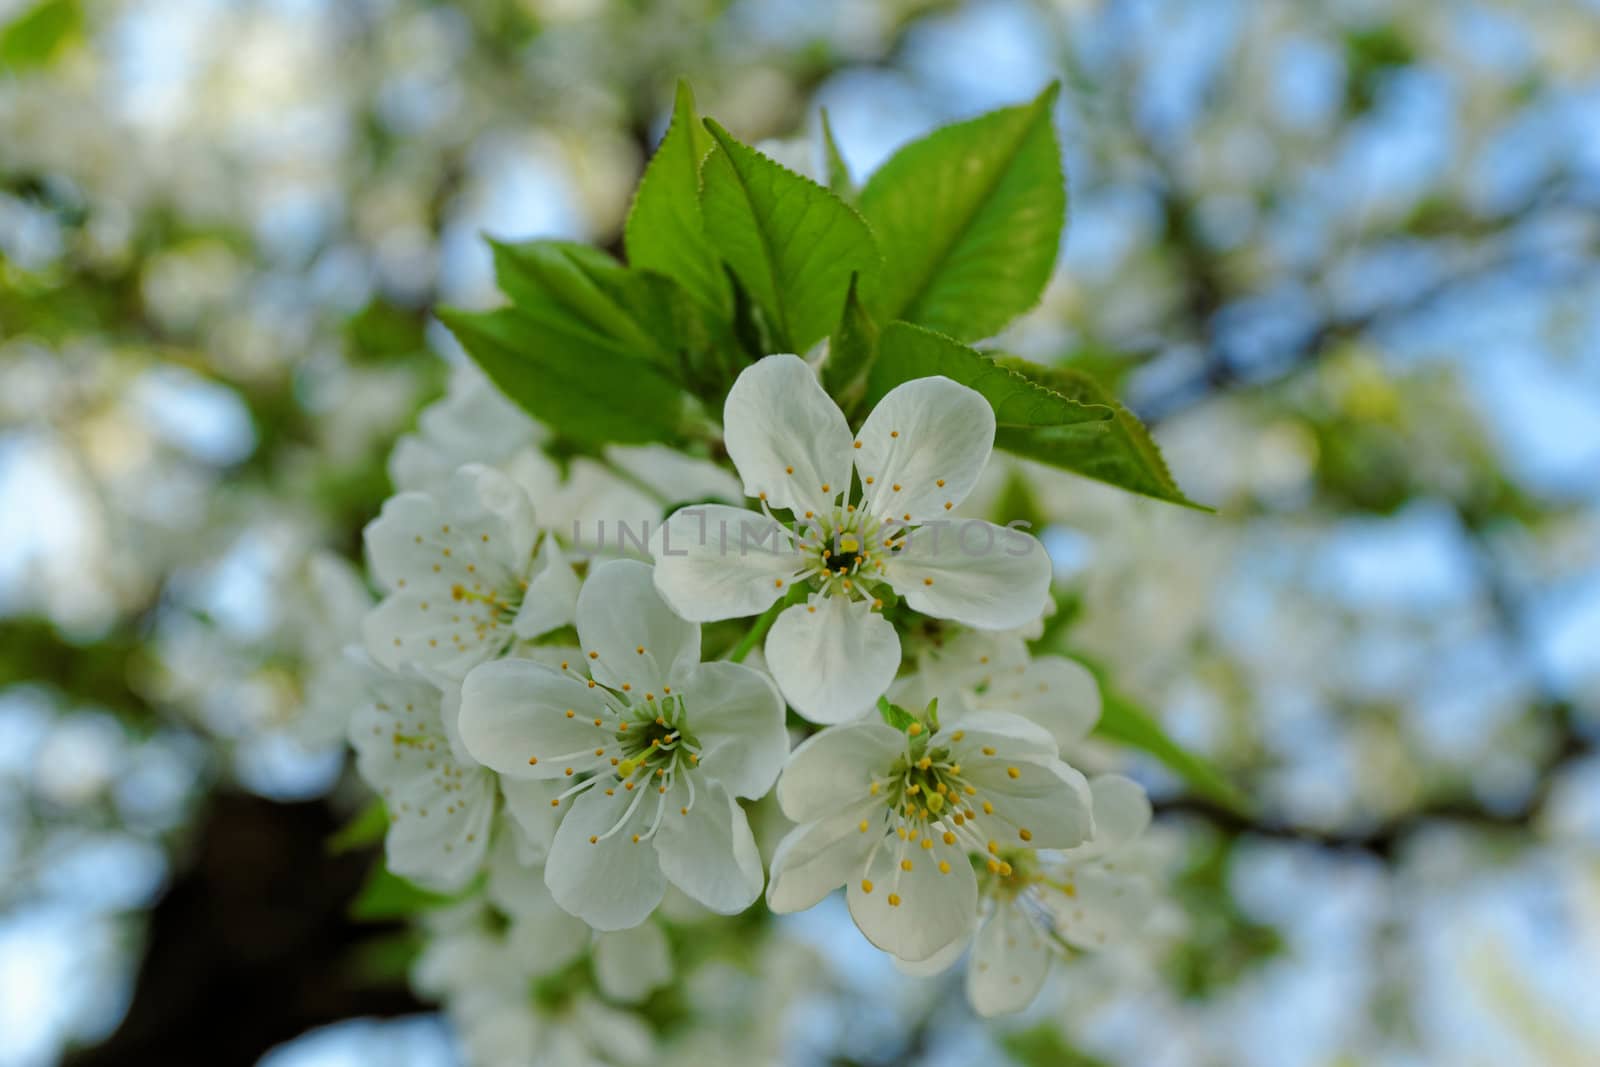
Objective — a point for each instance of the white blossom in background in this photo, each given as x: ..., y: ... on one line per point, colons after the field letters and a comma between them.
x: 441, y: 802
x: 917, y: 456
x: 605, y: 506
x: 1052, y: 904
x: 487, y: 981
x: 334, y: 602
x: 472, y: 423
x: 653, y: 746
x: 896, y: 817
x: 976, y: 672
x: 463, y: 578
x: 628, y: 964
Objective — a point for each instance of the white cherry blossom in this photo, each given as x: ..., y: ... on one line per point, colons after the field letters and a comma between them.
x: 973, y: 672
x: 1052, y: 903
x: 441, y: 802
x: 916, y: 457
x: 463, y: 576
x: 896, y: 815
x: 653, y: 747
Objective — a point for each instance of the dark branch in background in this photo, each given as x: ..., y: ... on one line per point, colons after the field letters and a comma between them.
x: 251, y: 945
x: 1386, y: 838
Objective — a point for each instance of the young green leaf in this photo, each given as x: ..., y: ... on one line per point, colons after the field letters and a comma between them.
x: 664, y: 231
x: 851, y: 350
x: 792, y: 243
x: 906, y: 352
x: 365, y: 828
x: 1119, y: 452
x: 35, y: 37
x: 560, y: 278
x: 387, y: 896
x: 567, y: 375
x: 895, y: 715
x: 969, y: 220
x: 840, y: 183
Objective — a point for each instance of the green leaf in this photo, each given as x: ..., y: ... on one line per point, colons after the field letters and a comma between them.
x: 969, y: 220
x: 840, y: 183
x: 895, y: 715
x: 386, y: 895
x: 35, y: 37
x: 1123, y: 721
x: 851, y: 350
x: 664, y: 231
x: 569, y: 376
x: 633, y: 309
x: 906, y: 352
x: 367, y: 827
x: 792, y: 243
x: 1043, y: 1046
x: 1119, y: 452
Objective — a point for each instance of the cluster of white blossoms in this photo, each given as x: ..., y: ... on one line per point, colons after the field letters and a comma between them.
x: 552, y: 748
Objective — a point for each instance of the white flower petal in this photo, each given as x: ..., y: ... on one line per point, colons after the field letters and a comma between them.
x: 628, y: 964
x: 924, y: 446
x: 715, y: 562
x: 710, y: 853
x: 528, y: 804
x: 737, y: 716
x: 973, y: 658
x: 1102, y: 907
x: 551, y: 600
x: 426, y: 630
x: 778, y: 419
x: 934, y: 965
x: 440, y: 811
x: 1010, y: 961
x: 1121, y: 810
x: 1036, y: 803
x: 833, y: 770
x: 514, y: 711
x: 931, y: 908
x: 818, y: 857
x: 634, y: 641
x: 1057, y: 693
x: 974, y: 572
x: 1010, y: 736
x: 612, y: 883
x: 545, y: 939
x: 832, y: 658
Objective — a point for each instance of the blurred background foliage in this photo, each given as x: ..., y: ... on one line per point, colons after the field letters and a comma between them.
x: 1344, y: 258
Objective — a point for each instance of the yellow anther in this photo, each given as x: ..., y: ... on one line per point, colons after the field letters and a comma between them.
x: 1012, y: 772
x: 533, y: 761
x: 914, y: 729
x: 1025, y: 833
x: 927, y: 842
x: 894, y: 900
x: 905, y: 865
x: 944, y: 867
x: 994, y: 848
x: 594, y: 839
x: 866, y: 885
x: 949, y: 838
x: 863, y: 826
x: 988, y: 808
x: 570, y: 713
x: 988, y: 750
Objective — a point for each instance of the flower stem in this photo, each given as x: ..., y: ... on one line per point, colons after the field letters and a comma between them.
x: 759, y: 630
